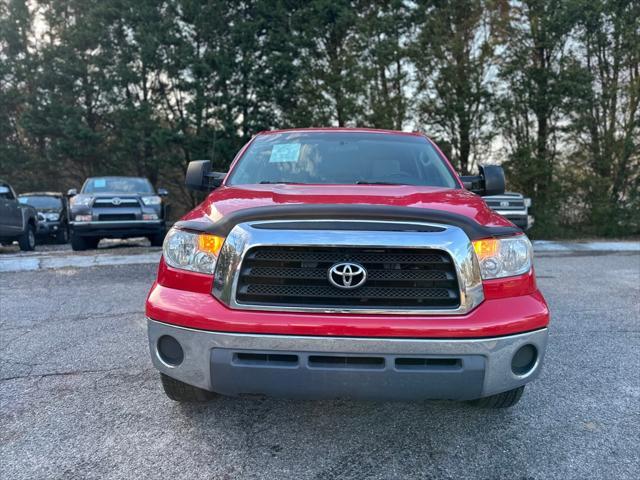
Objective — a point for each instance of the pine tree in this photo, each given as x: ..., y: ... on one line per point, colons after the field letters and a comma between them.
x: 454, y: 57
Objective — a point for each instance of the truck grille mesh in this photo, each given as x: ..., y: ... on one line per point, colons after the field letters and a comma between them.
x: 123, y: 203
x: 511, y: 204
x: 396, y: 278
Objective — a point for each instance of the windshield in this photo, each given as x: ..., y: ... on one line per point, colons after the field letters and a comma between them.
x: 117, y: 184
x: 5, y: 192
x: 41, y: 201
x: 342, y: 158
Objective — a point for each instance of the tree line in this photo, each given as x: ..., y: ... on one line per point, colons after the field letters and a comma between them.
x: 548, y: 88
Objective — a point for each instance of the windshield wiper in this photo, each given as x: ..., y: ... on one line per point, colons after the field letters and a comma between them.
x: 269, y: 182
x: 364, y: 182
x: 359, y: 182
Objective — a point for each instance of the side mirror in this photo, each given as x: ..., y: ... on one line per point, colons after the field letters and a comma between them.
x: 490, y: 181
x: 162, y: 192
x: 200, y: 177
x: 72, y: 192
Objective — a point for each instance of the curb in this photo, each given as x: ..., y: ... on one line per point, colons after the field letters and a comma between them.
x: 596, y: 246
x: 44, y: 260
x: 22, y: 264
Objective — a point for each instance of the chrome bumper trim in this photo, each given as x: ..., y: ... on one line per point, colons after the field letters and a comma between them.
x: 451, y: 240
x: 195, y: 369
x: 511, y: 212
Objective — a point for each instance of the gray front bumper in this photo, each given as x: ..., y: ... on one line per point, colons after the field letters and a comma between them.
x: 117, y: 228
x: 47, y: 228
x: 461, y: 368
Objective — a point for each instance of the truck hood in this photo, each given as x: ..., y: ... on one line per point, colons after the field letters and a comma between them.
x: 226, y: 200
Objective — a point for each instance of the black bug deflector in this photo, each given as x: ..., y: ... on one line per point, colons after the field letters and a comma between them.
x: 379, y: 213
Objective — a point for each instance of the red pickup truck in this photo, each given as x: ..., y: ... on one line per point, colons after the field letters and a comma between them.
x: 348, y: 263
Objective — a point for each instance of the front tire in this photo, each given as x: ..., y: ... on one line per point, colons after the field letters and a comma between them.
x: 500, y: 400
x: 83, y: 243
x: 27, y: 240
x: 182, y: 392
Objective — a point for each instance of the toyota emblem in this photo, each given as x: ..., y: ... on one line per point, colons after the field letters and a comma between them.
x: 347, y: 275
x: 116, y: 201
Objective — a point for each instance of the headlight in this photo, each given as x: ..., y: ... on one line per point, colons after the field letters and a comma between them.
x: 52, y: 217
x: 81, y: 200
x: 153, y: 200
x: 196, y: 252
x: 503, y: 257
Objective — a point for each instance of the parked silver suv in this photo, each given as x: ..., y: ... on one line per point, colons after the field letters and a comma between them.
x: 116, y: 207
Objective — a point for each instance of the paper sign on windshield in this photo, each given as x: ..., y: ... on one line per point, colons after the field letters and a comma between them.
x: 285, y: 152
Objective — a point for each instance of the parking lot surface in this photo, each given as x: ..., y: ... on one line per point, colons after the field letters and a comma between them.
x: 79, y: 398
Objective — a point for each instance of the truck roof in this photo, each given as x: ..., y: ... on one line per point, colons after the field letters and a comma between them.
x: 342, y: 129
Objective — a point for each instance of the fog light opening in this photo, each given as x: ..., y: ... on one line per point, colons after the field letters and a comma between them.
x: 524, y: 360
x: 170, y: 351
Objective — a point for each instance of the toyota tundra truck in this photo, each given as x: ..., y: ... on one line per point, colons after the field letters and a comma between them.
x: 346, y: 263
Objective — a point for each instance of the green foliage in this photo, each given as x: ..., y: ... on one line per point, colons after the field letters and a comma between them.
x: 570, y: 114
x: 455, y: 57
x: 550, y: 89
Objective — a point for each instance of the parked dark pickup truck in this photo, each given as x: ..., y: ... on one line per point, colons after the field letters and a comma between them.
x: 17, y: 221
x: 346, y: 263
x: 116, y: 207
x: 513, y: 206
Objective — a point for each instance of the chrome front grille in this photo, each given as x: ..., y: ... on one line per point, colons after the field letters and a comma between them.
x: 396, y: 278
x: 116, y: 202
x: 263, y: 266
x: 116, y: 209
x: 505, y: 203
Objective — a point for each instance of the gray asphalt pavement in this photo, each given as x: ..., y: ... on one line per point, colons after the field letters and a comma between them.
x: 79, y: 398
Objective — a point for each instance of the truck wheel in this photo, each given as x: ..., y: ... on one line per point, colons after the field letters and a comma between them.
x: 83, y: 243
x: 500, y: 400
x: 181, y: 392
x: 157, y: 239
x: 62, y: 236
x: 27, y: 240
